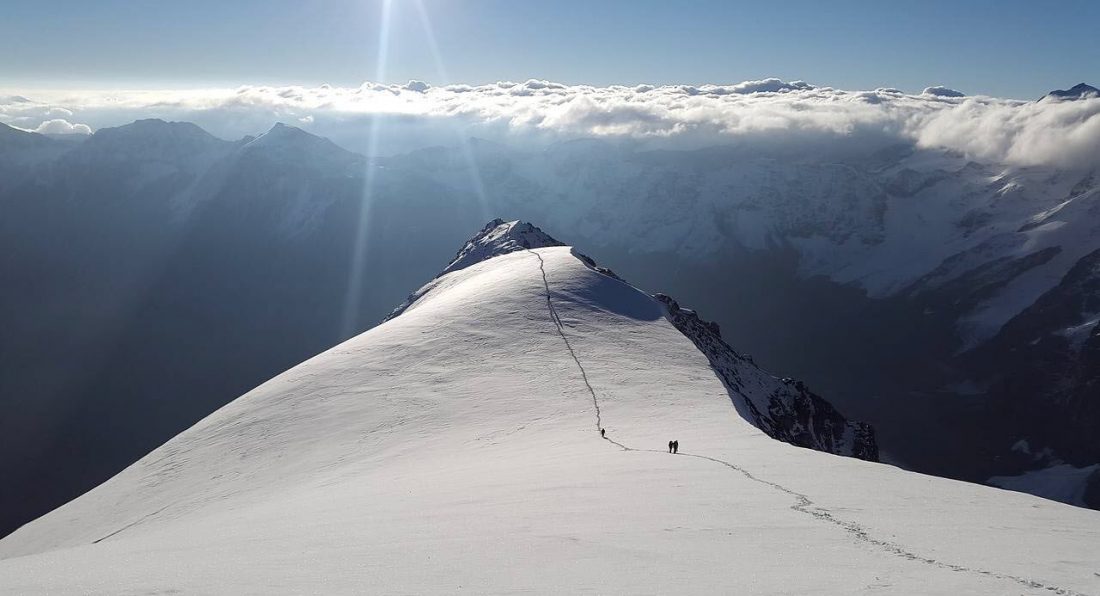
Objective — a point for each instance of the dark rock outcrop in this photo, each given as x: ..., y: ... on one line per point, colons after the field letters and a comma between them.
x: 786, y: 410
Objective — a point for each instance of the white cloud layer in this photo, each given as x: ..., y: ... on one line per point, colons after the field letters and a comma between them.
x: 60, y: 126
x: 770, y: 113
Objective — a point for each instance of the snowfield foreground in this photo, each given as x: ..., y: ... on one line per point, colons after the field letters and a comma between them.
x: 455, y: 448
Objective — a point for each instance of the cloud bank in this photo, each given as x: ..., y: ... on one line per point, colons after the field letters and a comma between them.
x: 61, y: 126
x: 771, y: 111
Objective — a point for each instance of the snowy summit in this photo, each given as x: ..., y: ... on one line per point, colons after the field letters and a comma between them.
x: 458, y: 447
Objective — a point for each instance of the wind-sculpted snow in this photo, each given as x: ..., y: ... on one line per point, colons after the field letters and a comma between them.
x: 785, y: 409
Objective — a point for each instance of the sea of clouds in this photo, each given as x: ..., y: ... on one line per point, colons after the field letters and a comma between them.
x: 770, y: 112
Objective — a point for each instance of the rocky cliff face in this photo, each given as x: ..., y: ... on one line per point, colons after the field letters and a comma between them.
x: 785, y: 409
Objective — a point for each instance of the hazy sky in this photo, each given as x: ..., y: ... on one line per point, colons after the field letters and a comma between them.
x: 1007, y: 48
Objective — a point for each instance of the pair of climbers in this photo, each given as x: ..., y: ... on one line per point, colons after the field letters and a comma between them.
x: 673, y: 446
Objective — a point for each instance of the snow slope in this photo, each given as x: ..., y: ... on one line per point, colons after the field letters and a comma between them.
x: 455, y: 448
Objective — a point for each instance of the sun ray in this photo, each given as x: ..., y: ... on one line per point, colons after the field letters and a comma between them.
x: 354, y: 294
x: 468, y: 156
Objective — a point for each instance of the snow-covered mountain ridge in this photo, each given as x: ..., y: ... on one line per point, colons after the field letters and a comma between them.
x: 455, y: 447
x: 783, y: 408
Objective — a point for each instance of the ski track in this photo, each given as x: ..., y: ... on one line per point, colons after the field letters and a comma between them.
x: 803, y: 504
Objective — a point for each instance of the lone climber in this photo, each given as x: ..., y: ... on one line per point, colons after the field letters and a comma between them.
x: 603, y: 433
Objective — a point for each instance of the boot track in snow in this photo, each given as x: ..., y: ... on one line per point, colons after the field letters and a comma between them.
x: 803, y: 504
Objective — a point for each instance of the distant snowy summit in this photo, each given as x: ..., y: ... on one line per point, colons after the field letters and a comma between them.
x: 784, y: 409
x: 1079, y: 91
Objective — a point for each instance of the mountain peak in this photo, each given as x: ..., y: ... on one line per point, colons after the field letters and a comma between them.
x: 156, y: 125
x: 280, y: 128
x: 291, y: 144
x: 499, y: 237
x: 149, y: 139
x: 1078, y: 91
x: 154, y: 128
x: 282, y: 133
x: 783, y: 409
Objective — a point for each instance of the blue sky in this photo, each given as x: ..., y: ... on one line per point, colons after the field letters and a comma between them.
x: 1007, y: 48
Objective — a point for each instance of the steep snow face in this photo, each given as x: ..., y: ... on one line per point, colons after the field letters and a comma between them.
x: 456, y: 447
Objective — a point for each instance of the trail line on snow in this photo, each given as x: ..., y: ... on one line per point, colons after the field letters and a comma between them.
x: 561, y: 332
x: 130, y: 525
x: 803, y: 504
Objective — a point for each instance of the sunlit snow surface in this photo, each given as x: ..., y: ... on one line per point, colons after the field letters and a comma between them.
x: 455, y: 449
